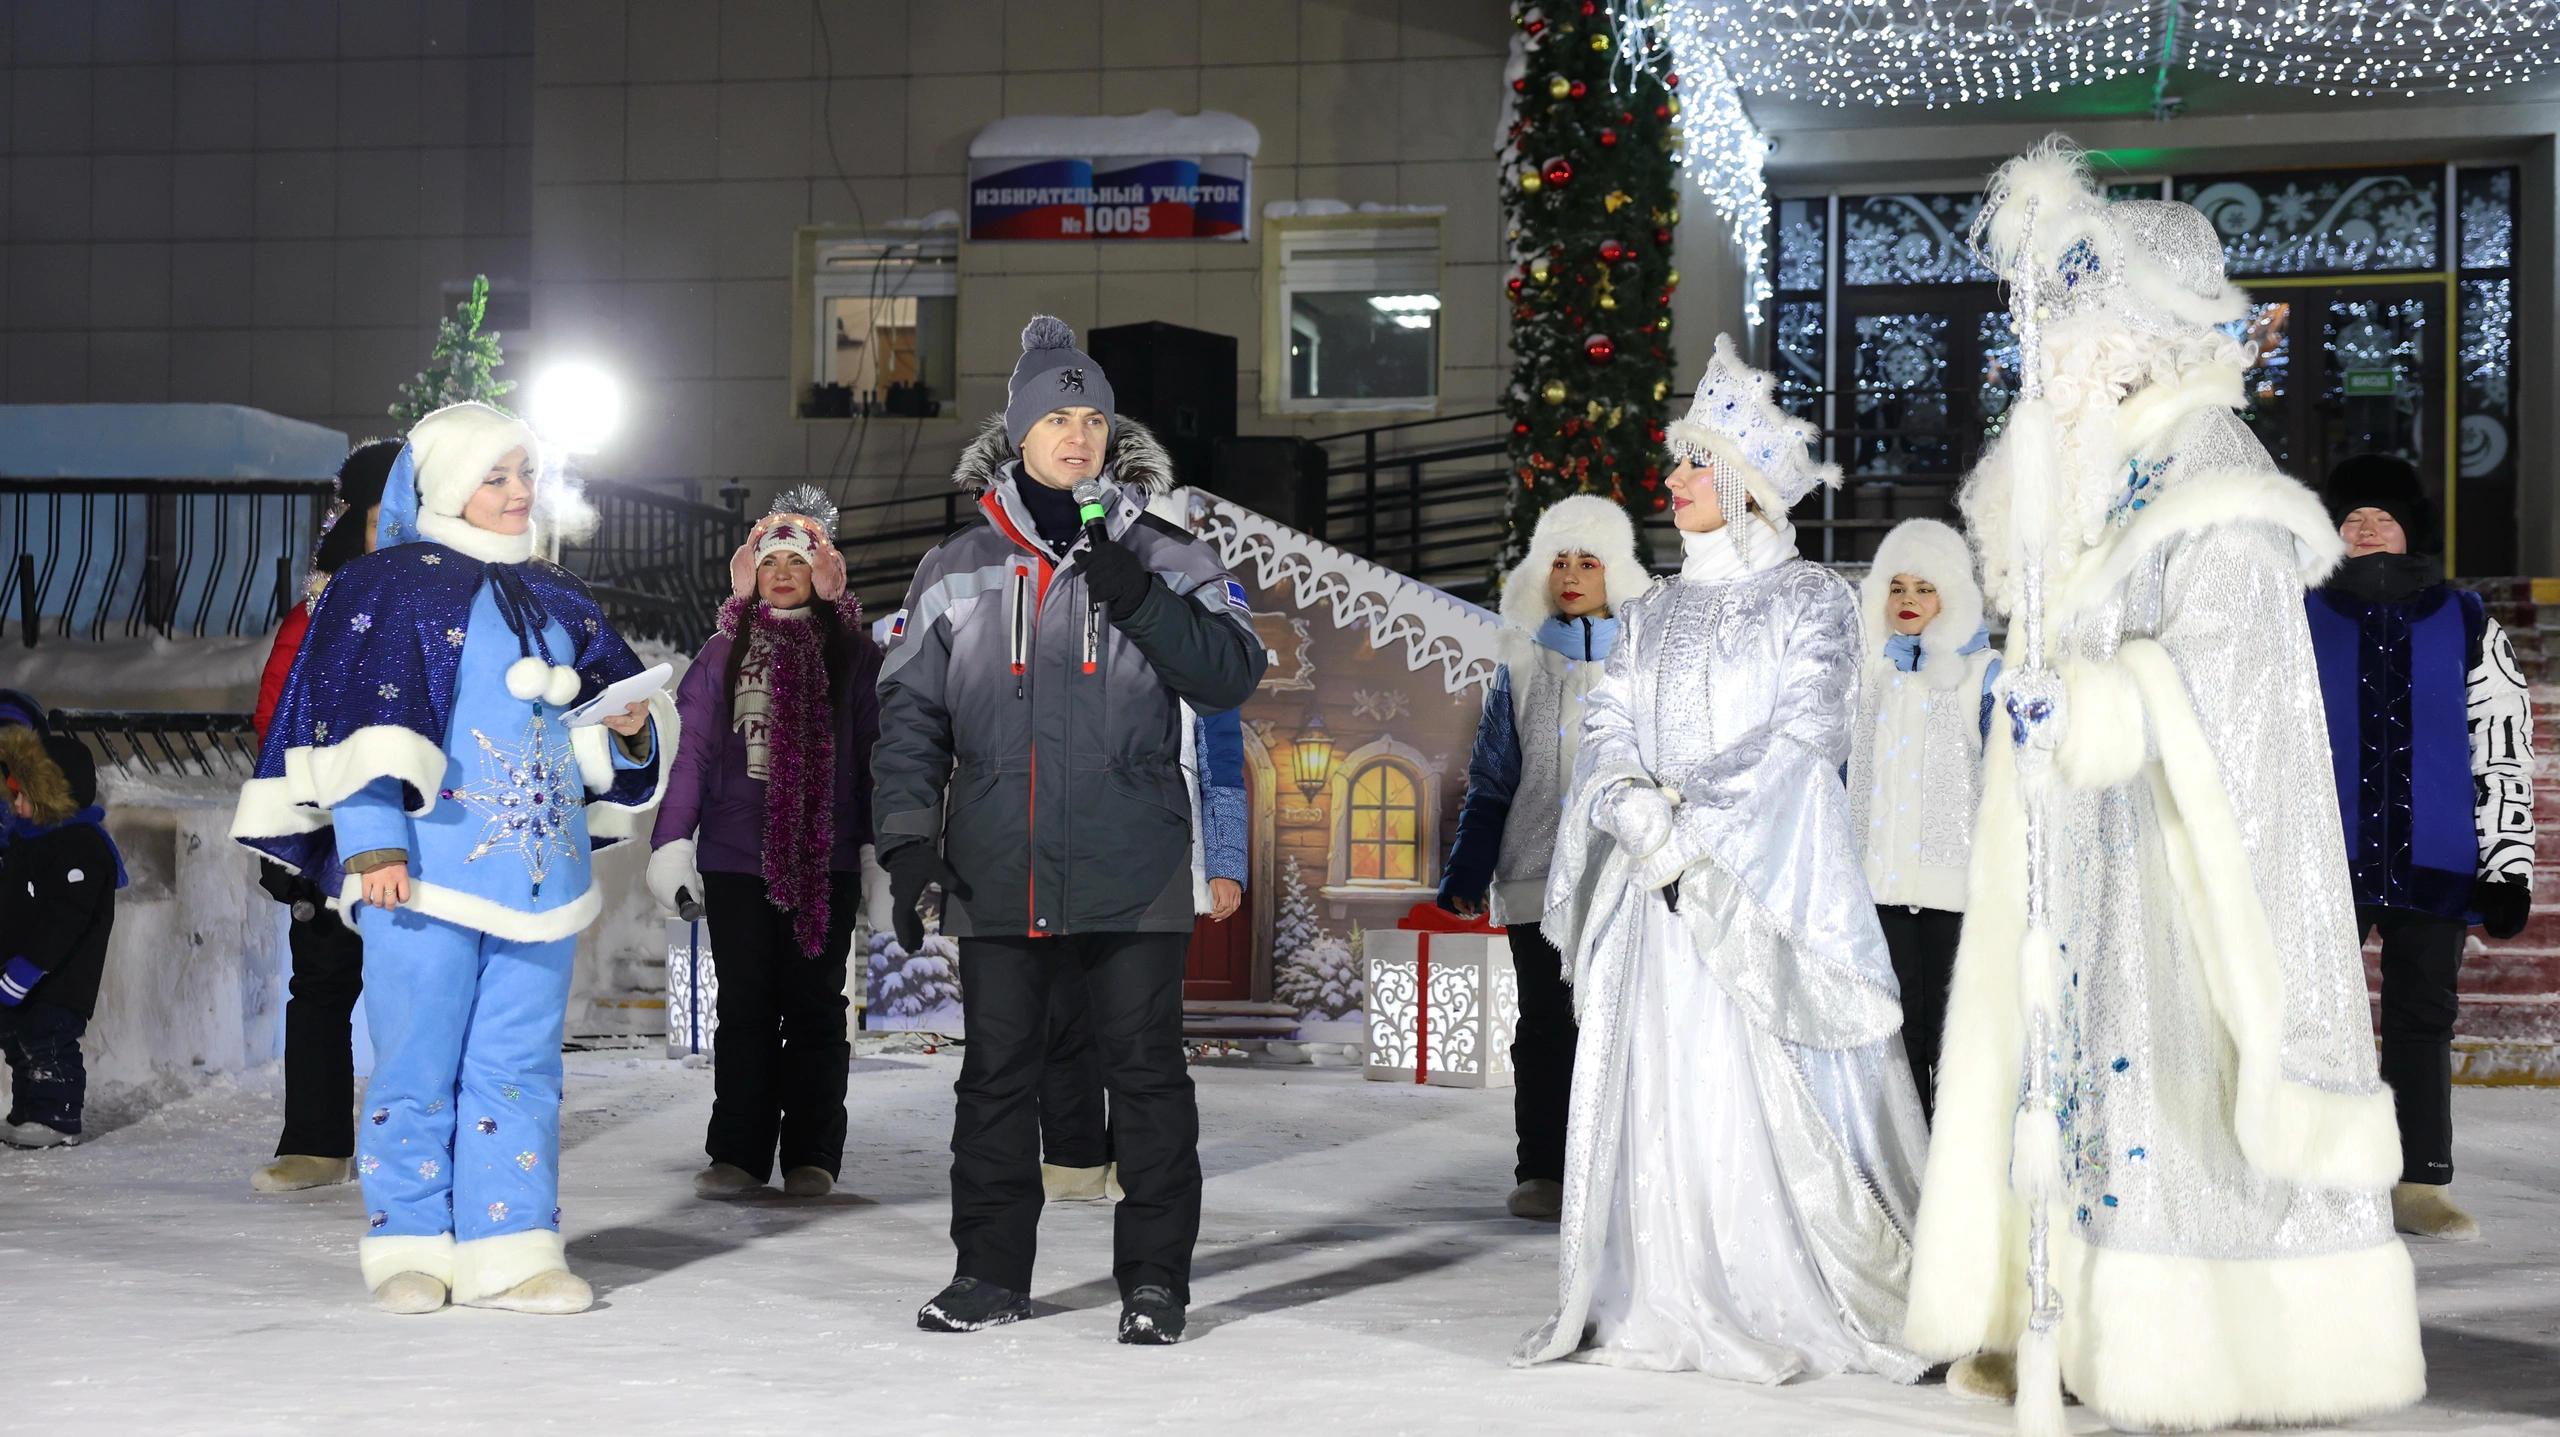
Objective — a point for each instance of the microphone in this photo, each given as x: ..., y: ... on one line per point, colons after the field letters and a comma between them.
x: 1090, y: 495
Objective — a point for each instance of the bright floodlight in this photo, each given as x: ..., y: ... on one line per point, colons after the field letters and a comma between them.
x: 577, y: 406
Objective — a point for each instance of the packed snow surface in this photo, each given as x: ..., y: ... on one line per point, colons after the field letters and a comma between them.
x: 1355, y: 1275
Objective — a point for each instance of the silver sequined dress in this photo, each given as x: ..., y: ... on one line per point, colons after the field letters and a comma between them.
x: 1745, y: 1145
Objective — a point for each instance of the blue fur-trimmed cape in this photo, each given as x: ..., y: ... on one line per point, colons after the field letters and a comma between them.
x: 371, y: 696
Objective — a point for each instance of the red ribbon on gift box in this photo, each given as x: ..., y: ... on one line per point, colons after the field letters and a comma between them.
x: 1428, y: 919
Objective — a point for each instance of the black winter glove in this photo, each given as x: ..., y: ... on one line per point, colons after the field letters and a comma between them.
x: 910, y: 869
x: 1114, y: 577
x: 2504, y: 905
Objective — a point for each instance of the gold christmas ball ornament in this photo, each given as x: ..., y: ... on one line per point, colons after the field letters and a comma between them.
x: 1559, y: 87
x: 1673, y: 279
x: 1600, y: 43
x: 1538, y: 270
x: 1608, y: 301
x: 1617, y: 200
x: 1675, y: 104
x: 1530, y: 184
x: 1661, y: 390
x: 1554, y: 392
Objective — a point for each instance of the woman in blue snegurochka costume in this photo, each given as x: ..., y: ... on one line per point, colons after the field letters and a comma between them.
x: 420, y: 767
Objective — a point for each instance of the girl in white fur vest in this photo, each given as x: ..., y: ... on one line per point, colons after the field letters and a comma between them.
x: 1915, y: 764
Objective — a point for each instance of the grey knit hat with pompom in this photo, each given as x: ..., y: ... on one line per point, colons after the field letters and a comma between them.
x: 1052, y: 374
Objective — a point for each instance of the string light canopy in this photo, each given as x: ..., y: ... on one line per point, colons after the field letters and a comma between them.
x: 2374, y: 47
x: 1932, y: 53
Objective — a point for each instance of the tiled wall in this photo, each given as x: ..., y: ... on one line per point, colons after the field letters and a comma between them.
x: 255, y: 201
x: 680, y: 144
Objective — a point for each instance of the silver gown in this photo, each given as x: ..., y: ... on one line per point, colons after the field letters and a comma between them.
x: 1744, y: 1154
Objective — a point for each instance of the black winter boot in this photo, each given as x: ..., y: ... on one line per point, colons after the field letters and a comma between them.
x: 1149, y: 1317
x: 969, y: 1305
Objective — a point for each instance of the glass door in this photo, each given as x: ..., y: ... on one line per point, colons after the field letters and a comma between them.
x: 1923, y: 372
x: 2346, y: 369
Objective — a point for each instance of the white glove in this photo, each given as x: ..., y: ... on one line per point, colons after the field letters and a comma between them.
x: 877, y: 914
x: 1638, y: 815
x: 670, y: 869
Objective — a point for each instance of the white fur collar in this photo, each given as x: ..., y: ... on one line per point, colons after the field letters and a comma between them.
x: 2205, y: 501
x: 2149, y: 416
x: 1711, y: 558
x: 470, y: 539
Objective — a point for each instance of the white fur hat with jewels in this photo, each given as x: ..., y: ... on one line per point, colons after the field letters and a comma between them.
x: 2153, y: 265
x: 1924, y: 549
x: 1732, y: 419
x: 455, y: 448
x: 1576, y: 524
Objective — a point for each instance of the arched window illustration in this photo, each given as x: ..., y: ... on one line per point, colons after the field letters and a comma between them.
x: 1385, y: 824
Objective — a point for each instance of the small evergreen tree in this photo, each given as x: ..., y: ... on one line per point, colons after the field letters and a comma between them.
x: 1318, y: 973
x: 462, y: 366
x: 905, y: 985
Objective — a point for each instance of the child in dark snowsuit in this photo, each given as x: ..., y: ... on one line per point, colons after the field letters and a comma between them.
x: 57, y: 906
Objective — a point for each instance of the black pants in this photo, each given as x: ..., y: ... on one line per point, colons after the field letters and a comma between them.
x: 1541, y: 1056
x: 1075, y: 1127
x: 1133, y: 982
x: 1923, y: 944
x: 48, y: 1080
x: 319, y: 1036
x: 778, y: 1067
x: 2421, y: 958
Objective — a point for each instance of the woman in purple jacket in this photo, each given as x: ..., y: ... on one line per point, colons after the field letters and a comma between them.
x: 767, y: 824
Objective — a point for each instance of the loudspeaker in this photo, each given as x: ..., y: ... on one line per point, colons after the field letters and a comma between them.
x: 1277, y: 476
x: 1180, y: 383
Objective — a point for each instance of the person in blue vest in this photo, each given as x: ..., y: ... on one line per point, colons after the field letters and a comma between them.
x: 422, y: 765
x: 2431, y: 740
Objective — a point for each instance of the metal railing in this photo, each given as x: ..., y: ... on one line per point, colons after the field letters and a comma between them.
x: 885, y: 539
x: 657, y: 565
x: 194, y: 556
x: 208, y: 745
x: 1429, y: 505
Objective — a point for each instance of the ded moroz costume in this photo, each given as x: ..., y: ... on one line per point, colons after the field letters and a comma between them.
x: 1745, y: 1144
x: 423, y: 723
x: 2206, y: 1155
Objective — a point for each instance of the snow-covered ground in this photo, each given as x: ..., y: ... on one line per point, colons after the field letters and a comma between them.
x: 1355, y: 1275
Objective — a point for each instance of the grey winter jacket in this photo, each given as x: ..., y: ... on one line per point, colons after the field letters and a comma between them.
x: 1040, y: 740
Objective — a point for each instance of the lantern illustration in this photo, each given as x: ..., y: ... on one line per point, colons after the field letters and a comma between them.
x: 693, y: 988
x: 1311, y: 756
x: 1444, y: 1001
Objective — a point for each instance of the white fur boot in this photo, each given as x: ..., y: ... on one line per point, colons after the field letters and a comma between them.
x: 2427, y: 1209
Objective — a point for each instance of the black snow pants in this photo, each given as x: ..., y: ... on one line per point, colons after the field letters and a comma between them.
x: 778, y: 1067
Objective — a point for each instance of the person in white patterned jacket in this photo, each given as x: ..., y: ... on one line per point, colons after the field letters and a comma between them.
x: 2431, y: 741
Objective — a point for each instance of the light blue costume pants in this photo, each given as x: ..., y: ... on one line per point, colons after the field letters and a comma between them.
x: 460, y: 1132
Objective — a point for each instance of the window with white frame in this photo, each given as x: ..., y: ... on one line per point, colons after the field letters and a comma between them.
x: 1352, y: 317
x: 884, y: 325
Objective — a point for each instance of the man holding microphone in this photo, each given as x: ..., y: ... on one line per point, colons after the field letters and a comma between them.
x: 1030, y: 762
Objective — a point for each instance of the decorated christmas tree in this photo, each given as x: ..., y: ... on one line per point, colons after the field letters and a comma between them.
x: 462, y: 366
x: 1318, y: 973
x: 1590, y: 194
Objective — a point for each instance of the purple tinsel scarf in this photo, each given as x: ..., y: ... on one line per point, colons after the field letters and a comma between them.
x: 800, y: 772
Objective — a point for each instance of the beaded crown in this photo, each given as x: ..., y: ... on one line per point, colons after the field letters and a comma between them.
x: 1733, y: 419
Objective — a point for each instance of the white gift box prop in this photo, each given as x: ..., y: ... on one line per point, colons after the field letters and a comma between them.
x: 1442, y: 1007
x: 693, y: 988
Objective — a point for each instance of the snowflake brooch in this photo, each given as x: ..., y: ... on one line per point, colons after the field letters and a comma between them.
x: 431, y: 558
x: 389, y: 691
x: 454, y: 637
x: 361, y: 623
x: 528, y: 797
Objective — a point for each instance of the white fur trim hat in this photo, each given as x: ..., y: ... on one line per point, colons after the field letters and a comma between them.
x: 1576, y: 524
x: 2154, y: 265
x: 455, y: 447
x: 1925, y: 549
x: 1733, y: 420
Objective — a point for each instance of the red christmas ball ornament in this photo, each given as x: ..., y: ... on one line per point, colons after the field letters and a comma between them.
x: 1671, y: 82
x: 1514, y: 286
x: 1662, y: 238
x: 1557, y: 172
x: 1520, y: 86
x: 1534, y: 26
x: 1577, y: 89
x: 1655, y: 433
x: 1590, y: 7
x: 1608, y: 138
x: 1521, y: 428
x: 1660, y: 112
x: 1599, y: 349
x: 1626, y: 117
x: 1611, y: 251
x: 1651, y: 473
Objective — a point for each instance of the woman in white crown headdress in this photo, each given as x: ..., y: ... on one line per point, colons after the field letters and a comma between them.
x: 2211, y: 1158
x: 1745, y: 1142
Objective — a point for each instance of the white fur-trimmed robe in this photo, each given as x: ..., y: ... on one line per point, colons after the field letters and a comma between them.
x: 2222, y: 1243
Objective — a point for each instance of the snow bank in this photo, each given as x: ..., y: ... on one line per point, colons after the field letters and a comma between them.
x: 1156, y: 132
x: 209, y: 675
x: 163, y: 441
